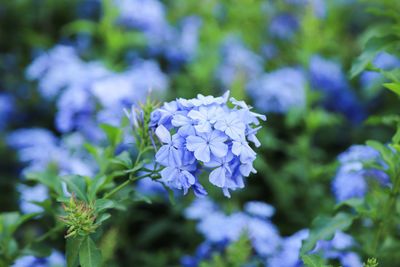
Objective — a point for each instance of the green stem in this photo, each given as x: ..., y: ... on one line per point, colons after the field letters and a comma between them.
x: 388, y: 207
x: 49, y: 233
x: 142, y: 150
x: 124, y: 184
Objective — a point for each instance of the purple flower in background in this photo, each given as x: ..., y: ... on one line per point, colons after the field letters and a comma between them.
x: 62, y: 68
x: 260, y: 209
x: 183, y: 47
x: 32, y: 193
x: 220, y: 229
x: 350, y: 180
x: 206, y: 133
x: 328, y: 77
x: 288, y: 255
x: 318, y: 6
x: 384, y: 61
x: 56, y: 259
x: 6, y: 109
x: 41, y: 150
x: 79, y: 87
x: 275, y: 92
x: 146, y: 15
x: 283, y: 26
x: 238, y: 62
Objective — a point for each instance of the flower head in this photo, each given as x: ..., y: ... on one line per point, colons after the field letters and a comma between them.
x: 205, y: 132
x: 351, y: 177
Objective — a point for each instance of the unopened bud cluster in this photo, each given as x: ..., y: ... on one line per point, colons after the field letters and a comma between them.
x: 80, y: 217
x: 140, y: 121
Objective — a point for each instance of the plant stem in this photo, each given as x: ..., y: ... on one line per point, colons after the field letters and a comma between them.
x: 124, y: 184
x: 388, y: 207
x: 142, y: 150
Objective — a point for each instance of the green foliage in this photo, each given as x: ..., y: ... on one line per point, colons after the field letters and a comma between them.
x: 324, y: 227
x: 9, y: 223
x: 313, y: 260
x: 89, y: 254
x: 235, y: 255
x: 372, y: 262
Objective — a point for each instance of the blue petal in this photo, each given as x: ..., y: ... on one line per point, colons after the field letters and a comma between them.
x: 163, y: 134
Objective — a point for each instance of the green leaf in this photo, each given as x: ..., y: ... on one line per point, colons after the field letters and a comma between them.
x: 396, y: 136
x: 103, y: 217
x: 96, y: 152
x: 72, y: 249
x: 394, y: 87
x: 95, y: 185
x: 48, y: 178
x: 104, y: 204
x: 89, y: 254
x: 136, y: 168
x: 79, y: 26
x: 386, y: 153
x: 123, y: 159
x: 357, y: 204
x: 372, y: 47
x: 9, y: 223
x: 324, y: 227
x: 37, y: 249
x: 114, y: 134
x: 137, y: 197
x: 312, y: 260
x: 76, y: 184
x: 46, y: 205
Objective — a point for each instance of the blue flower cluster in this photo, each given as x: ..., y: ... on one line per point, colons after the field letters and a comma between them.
x: 177, y: 44
x: 220, y: 229
x: 41, y: 150
x: 204, y: 134
x: 80, y: 86
x: 238, y: 62
x: 283, y: 26
x: 56, y: 259
x: 327, y: 76
x: 318, y: 6
x: 275, y: 92
x: 382, y: 60
x: 6, y: 109
x: 352, y: 177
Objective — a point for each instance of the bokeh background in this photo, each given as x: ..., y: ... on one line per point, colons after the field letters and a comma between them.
x: 68, y: 65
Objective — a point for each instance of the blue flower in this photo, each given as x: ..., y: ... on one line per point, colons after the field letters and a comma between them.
x: 238, y: 62
x: 222, y: 169
x: 6, y: 109
x: 351, y: 177
x: 41, y: 149
x: 56, y: 259
x: 206, y: 132
x: 199, y: 208
x: 179, y: 177
x: 283, y: 26
x: 28, y: 193
x: 221, y: 229
x: 232, y: 126
x: 87, y: 93
x: 260, y: 209
x: 151, y: 18
x: 328, y: 77
x: 274, y: 92
x: 168, y: 154
x: 384, y: 61
x: 206, y: 144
